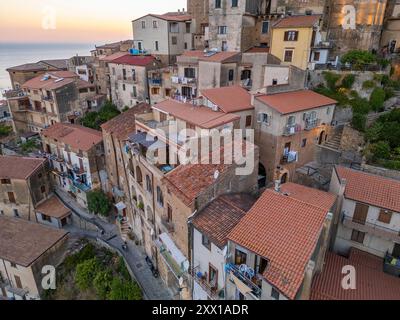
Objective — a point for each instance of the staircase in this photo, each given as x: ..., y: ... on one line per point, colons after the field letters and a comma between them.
x: 125, y: 230
x: 334, y: 142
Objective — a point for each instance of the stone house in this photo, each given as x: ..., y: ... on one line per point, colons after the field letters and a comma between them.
x: 76, y: 154
x: 289, y: 126
x: 199, y: 11
x: 25, y: 182
x: 368, y: 218
x: 25, y: 248
x: 277, y: 248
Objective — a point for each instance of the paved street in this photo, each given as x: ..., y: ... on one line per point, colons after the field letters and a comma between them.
x: 153, y: 289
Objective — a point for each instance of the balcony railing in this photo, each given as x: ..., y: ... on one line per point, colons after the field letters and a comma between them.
x: 235, y: 270
x: 47, y: 98
x: 371, y: 228
x: 201, y: 279
x: 312, y: 124
x: 290, y: 129
x: 183, y: 80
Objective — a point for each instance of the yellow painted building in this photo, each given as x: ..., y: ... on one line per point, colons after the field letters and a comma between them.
x: 293, y: 39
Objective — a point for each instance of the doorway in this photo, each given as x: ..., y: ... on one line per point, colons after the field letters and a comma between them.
x: 262, y: 176
x: 321, y: 137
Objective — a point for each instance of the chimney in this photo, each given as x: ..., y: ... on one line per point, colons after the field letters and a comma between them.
x: 278, y: 186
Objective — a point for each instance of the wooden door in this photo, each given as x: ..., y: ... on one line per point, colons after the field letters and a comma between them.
x: 11, y: 197
x: 18, y: 282
x: 360, y: 213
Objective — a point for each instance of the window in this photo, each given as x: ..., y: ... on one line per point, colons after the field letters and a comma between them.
x: 231, y: 75
x: 217, y: 4
x: 274, y: 82
x: 263, y: 118
x: 16, y: 213
x: 188, y: 27
x: 134, y: 91
x: 123, y: 87
x: 155, y: 91
x: 288, y: 57
x: 358, y: 236
x: 143, y: 24
x: 291, y: 121
x: 317, y: 56
x: 186, y: 45
x: 263, y: 265
x: 13, y: 265
x: 5, y: 181
x: 148, y: 184
x: 140, y: 46
x: 248, y: 121
x: 11, y: 197
x: 304, y: 143
x: 174, y: 40
x: 139, y: 177
x: 212, y: 276
x: 190, y: 73
x: 265, y: 27
x: 235, y: 3
x: 224, y: 46
x: 156, y: 45
x: 206, y: 242
x: 18, y: 282
x: 291, y: 36
x: 275, y: 294
x: 385, y: 216
x: 222, y: 30
x: 160, y: 197
x: 169, y: 214
x: 46, y: 218
x: 155, y: 24
x: 174, y: 27
x: 240, y: 257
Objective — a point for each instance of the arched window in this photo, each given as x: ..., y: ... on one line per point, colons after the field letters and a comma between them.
x: 160, y: 197
x: 149, y: 187
x: 139, y: 177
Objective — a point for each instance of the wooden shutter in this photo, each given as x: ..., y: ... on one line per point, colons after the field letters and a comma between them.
x: 360, y: 213
x: 11, y: 197
x: 385, y: 216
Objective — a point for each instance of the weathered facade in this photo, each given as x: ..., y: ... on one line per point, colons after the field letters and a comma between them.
x: 199, y: 11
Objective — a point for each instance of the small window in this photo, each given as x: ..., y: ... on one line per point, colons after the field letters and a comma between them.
x: 149, y: 187
x: 186, y: 45
x: 190, y: 73
x: 155, y: 24
x: 248, y: 121
x: 16, y: 213
x: 134, y: 91
x: 188, y: 26
x: 46, y: 218
x: 156, y: 45
x: 217, y: 4
x: 358, y: 236
x: 143, y: 24
x: 123, y: 87
x: 274, y: 82
x: 265, y: 27
x: 231, y: 75
x: 174, y: 40
x: 385, y: 216
x: 317, y: 56
x: 240, y: 257
x: 288, y: 57
x: 5, y: 181
x: 304, y: 143
x: 13, y: 265
x: 222, y: 30
x: 291, y: 36
x: 206, y: 242
x: 263, y: 118
x: 160, y: 197
x: 235, y: 3
x: 275, y: 294
x: 224, y: 46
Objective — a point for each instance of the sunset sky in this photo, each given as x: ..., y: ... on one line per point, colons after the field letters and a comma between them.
x: 75, y: 20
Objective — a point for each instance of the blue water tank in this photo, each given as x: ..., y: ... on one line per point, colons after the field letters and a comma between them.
x: 134, y: 51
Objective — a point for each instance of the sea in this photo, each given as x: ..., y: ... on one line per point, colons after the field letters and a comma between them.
x: 14, y: 54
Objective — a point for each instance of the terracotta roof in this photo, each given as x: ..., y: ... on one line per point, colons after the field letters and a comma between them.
x: 12, y: 167
x: 76, y: 136
x: 312, y: 196
x: 114, y: 56
x: 258, y: 50
x: 134, y: 60
x: 221, y: 216
x: 29, y: 67
x: 229, y: 99
x: 84, y: 84
x: 53, y: 207
x: 295, y: 101
x: 114, y: 45
x: 124, y: 124
x: 189, y: 181
x: 303, y: 21
x: 371, y: 189
x: 200, y: 116
x: 53, y: 82
x: 285, y: 231
x: 61, y: 64
x: 371, y: 282
x: 222, y: 56
x: 22, y: 242
x: 170, y: 16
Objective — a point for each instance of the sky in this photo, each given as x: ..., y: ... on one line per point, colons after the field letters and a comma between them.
x: 75, y: 21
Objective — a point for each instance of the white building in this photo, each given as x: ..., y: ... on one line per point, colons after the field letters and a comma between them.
x: 369, y: 217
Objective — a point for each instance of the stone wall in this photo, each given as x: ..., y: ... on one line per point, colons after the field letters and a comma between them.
x: 352, y: 139
x: 393, y: 174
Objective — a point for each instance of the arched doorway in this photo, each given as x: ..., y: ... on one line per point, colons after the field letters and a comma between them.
x: 321, y: 137
x: 262, y: 176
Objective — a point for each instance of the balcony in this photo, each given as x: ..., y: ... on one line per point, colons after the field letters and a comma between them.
x: 312, y: 124
x: 183, y: 80
x: 247, y: 83
x: 156, y: 81
x: 290, y: 157
x: 149, y: 121
x: 47, y: 98
x: 371, y: 228
x: 211, y: 289
x: 392, y: 265
x: 237, y: 275
x: 290, y: 129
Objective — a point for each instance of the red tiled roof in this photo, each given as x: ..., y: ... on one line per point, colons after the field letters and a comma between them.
x: 76, y: 136
x: 258, y: 50
x: 124, y: 124
x: 53, y: 82
x: 371, y: 189
x: 200, y: 116
x: 285, y: 231
x: 303, y: 21
x: 312, y: 196
x: 221, y: 216
x: 114, y: 56
x: 174, y: 16
x: 295, y: 101
x: 129, y: 59
x: 12, y: 167
x: 222, y: 56
x: 371, y: 282
x: 229, y: 99
x: 53, y: 207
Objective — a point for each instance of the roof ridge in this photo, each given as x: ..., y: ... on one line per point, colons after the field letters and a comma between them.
x: 230, y: 203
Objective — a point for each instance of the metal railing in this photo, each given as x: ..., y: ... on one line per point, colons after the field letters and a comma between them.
x: 213, y: 292
x: 312, y: 124
x: 290, y: 129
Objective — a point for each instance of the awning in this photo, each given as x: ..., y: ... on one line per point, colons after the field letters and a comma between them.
x: 174, y: 251
x: 120, y: 206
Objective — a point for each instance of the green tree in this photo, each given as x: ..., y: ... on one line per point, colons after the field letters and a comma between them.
x: 359, y: 122
x: 348, y: 81
x: 380, y: 150
x: 99, y: 203
x: 85, y: 273
x: 28, y: 146
x: 124, y: 290
x: 360, y: 105
x: 377, y: 99
x: 5, y: 130
x: 102, y: 283
x: 358, y: 58
x: 331, y: 79
x: 94, y: 120
x: 90, y: 120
